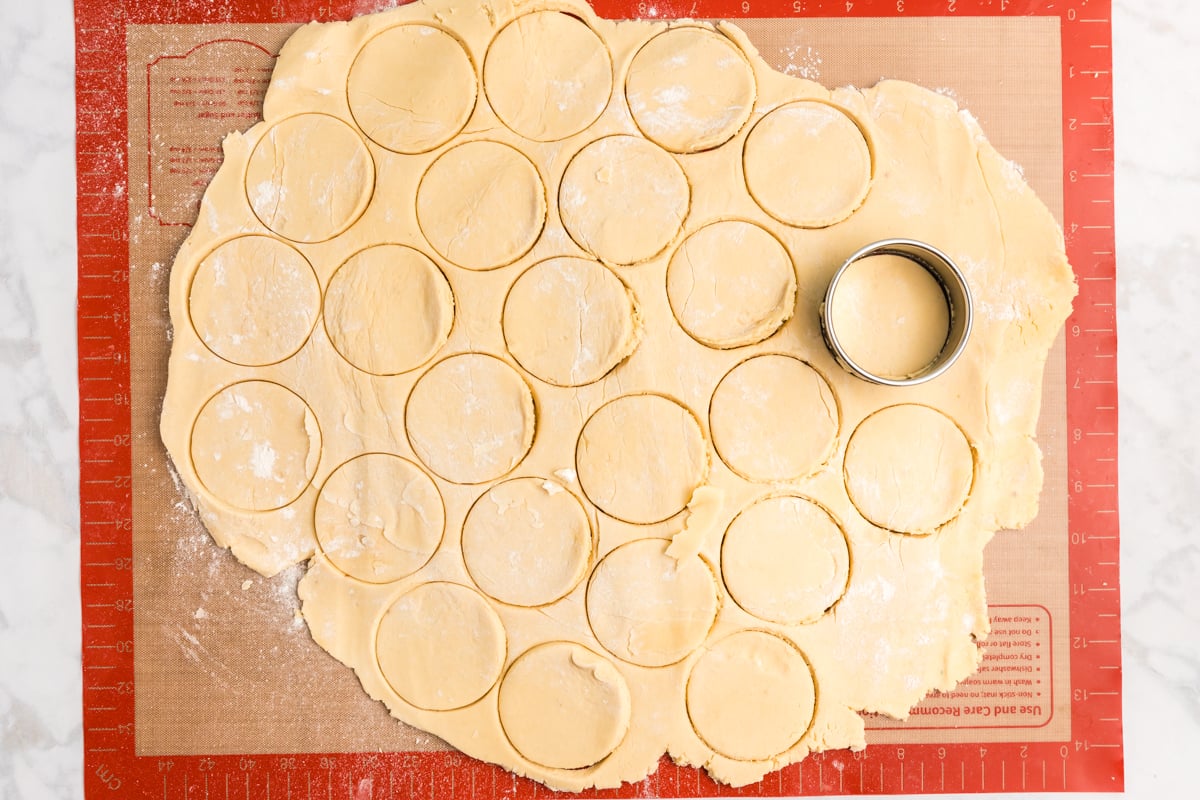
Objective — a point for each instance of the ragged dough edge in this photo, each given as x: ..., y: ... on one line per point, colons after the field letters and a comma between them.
x: 282, y: 543
x: 1054, y: 292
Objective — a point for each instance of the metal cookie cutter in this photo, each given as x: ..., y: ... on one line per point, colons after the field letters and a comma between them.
x: 958, y: 299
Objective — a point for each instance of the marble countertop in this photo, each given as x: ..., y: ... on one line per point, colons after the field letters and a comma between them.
x: 1158, y: 244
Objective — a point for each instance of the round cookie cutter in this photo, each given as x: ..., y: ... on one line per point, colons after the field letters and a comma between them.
x: 954, y: 287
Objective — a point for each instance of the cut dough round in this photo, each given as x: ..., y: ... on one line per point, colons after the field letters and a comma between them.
x: 563, y: 706
x: 326, y: 196
x: 547, y: 75
x: 255, y: 445
x: 481, y: 205
x: 406, y: 115
x: 730, y: 284
x: 379, y: 518
x: 891, y: 315
x: 690, y: 89
x: 569, y: 321
x: 784, y: 559
x: 623, y: 199
x: 647, y: 607
x: 470, y: 418
x: 254, y: 300
x: 751, y: 697
x: 388, y: 309
x: 774, y: 418
x: 640, y: 457
x: 440, y: 646
x: 807, y: 164
x: 909, y: 469
x: 527, y: 541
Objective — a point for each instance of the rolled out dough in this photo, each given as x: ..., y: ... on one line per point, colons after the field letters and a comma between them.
x: 504, y: 320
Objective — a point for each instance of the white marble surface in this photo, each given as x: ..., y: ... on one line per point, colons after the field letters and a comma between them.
x: 1158, y: 246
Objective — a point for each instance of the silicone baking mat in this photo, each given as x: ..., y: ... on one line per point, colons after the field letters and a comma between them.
x: 199, y: 681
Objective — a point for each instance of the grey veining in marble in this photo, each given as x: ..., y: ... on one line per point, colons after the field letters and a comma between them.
x: 1158, y: 250
x: 40, y: 682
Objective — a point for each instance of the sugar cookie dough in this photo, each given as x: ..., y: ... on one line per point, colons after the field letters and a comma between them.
x: 504, y: 322
x: 894, y: 313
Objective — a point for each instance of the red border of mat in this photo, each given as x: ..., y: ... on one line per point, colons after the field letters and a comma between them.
x: 1091, y: 760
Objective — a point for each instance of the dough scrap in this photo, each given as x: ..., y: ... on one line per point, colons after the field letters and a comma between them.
x: 509, y: 330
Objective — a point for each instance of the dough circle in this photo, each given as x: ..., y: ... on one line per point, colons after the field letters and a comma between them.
x: 547, y: 75
x: 527, y: 542
x: 418, y: 317
x: 563, y: 706
x: 786, y: 560
x: 730, y: 284
x: 649, y: 608
x: 807, y: 164
x: 440, y: 646
x: 403, y: 114
x: 254, y: 301
x: 909, y: 469
x: 481, y: 205
x: 774, y: 418
x: 379, y: 518
x: 569, y: 321
x: 470, y: 418
x: 690, y: 89
x: 640, y: 457
x: 623, y: 199
x: 751, y: 696
x: 325, y: 197
x: 891, y: 315
x: 255, y: 445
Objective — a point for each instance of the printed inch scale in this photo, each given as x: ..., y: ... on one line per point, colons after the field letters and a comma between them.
x: 1089, y: 757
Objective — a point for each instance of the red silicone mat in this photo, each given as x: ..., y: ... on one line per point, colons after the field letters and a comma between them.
x: 1067, y: 739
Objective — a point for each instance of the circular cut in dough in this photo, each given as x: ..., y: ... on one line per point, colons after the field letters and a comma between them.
x: 774, y: 418
x: 547, y: 75
x: 623, y: 199
x: 807, y: 164
x: 388, y: 309
x: 690, y: 89
x: 751, y: 697
x: 640, y: 457
x: 255, y: 445
x: 569, y: 321
x: 730, y: 284
x: 563, y: 706
x: 891, y: 315
x: 909, y: 469
x: 400, y: 111
x: 470, y: 418
x: 527, y: 541
x: 784, y: 559
x: 440, y: 646
x: 481, y: 205
x: 649, y: 608
x: 310, y: 177
x: 254, y: 301
x: 379, y: 518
